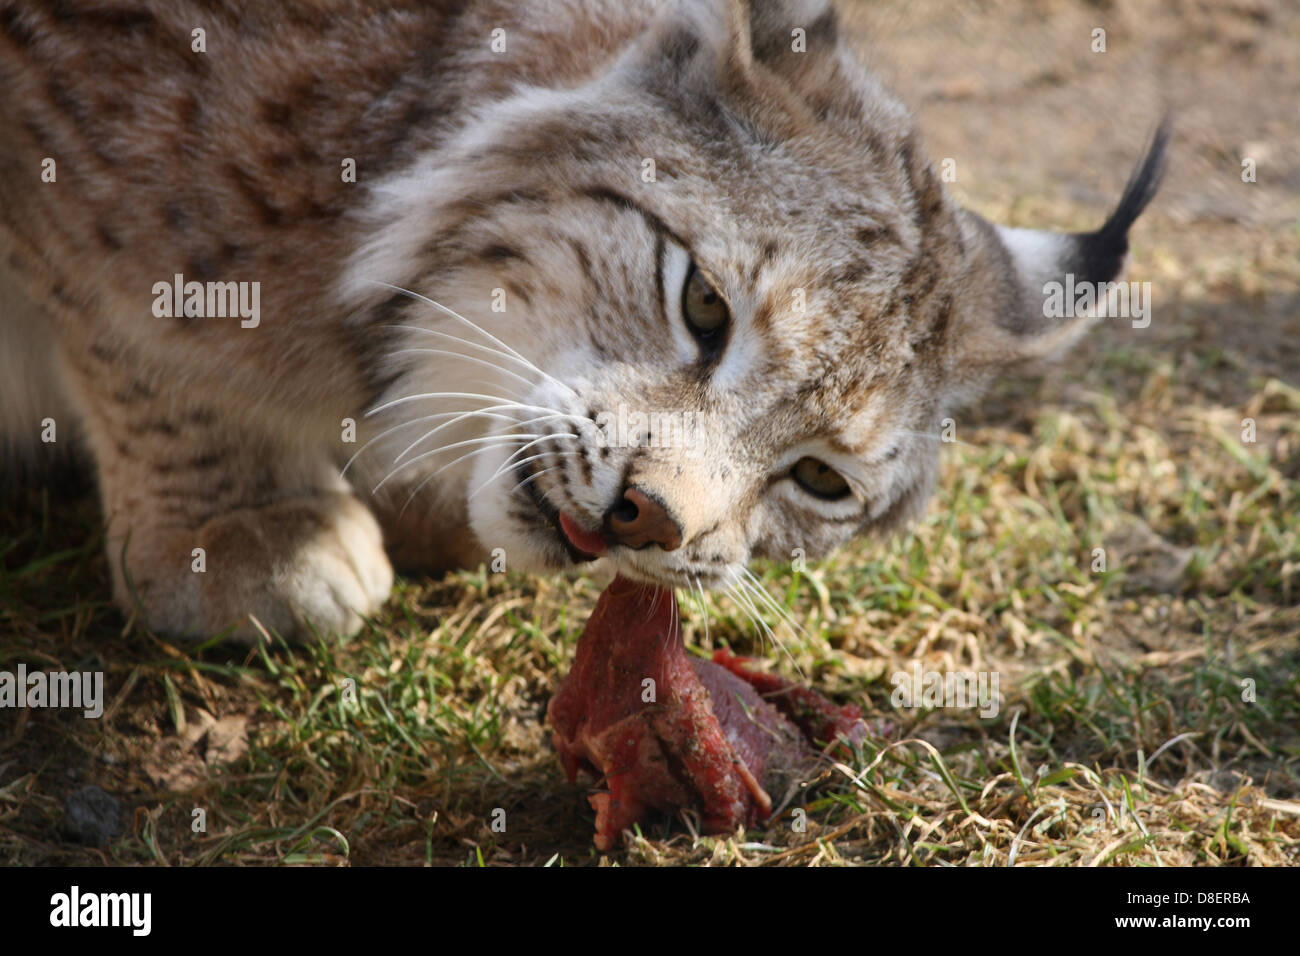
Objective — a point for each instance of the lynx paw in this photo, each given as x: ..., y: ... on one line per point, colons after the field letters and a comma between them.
x: 298, y: 566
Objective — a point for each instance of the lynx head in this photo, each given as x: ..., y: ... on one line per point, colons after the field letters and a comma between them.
x: 711, y: 297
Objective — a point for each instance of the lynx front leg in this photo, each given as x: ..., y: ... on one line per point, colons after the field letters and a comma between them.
x: 307, y: 561
x: 210, y: 522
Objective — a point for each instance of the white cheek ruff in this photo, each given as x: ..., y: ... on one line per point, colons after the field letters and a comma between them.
x: 404, y: 209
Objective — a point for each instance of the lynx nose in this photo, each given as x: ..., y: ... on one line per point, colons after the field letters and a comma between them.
x: 639, y: 520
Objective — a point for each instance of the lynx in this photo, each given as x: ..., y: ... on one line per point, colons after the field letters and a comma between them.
x: 474, y: 231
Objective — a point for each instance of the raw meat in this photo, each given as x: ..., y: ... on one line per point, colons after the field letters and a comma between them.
x: 666, y: 730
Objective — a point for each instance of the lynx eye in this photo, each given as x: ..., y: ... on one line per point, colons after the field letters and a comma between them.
x: 820, y: 479
x: 703, y: 307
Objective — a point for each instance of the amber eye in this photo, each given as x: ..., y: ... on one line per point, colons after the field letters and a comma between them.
x: 704, y: 309
x: 820, y: 479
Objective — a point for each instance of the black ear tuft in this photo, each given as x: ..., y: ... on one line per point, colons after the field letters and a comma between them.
x: 1100, y: 254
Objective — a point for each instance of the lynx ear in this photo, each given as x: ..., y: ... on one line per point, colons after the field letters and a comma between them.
x: 785, y: 30
x: 1030, y: 261
x: 690, y: 37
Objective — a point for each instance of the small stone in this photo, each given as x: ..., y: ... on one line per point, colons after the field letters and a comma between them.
x: 92, y: 816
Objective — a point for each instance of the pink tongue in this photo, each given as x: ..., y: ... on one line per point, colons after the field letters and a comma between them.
x: 588, y: 542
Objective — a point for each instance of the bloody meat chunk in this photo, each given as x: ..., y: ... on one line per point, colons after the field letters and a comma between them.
x: 666, y: 730
x: 820, y: 720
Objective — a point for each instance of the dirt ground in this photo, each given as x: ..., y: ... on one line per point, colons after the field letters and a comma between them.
x: 1130, y: 442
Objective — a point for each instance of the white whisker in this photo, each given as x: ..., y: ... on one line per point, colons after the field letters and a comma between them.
x: 759, y: 626
x: 425, y: 437
x: 460, y: 318
x: 740, y: 593
x: 465, y: 358
x: 501, y: 402
x: 772, y: 604
x: 654, y: 604
x: 474, y: 345
x: 506, y: 466
x: 495, y: 439
x: 428, y: 478
x: 747, y: 588
x: 484, y: 412
x: 704, y: 606
x: 518, y: 451
x: 674, y: 616
x: 533, y: 477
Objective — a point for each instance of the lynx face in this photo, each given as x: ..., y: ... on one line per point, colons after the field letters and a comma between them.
x: 734, y: 258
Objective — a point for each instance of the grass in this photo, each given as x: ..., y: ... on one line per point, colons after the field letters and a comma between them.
x: 1150, y: 712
